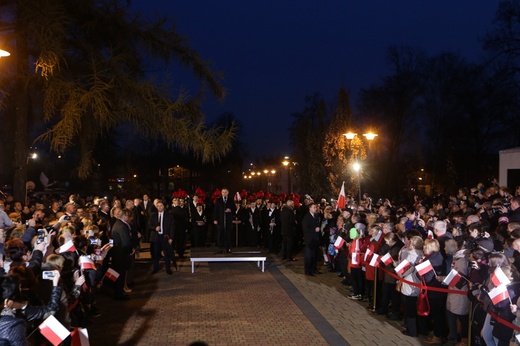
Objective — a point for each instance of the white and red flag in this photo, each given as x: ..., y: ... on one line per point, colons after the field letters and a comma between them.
x: 374, y: 262
x: 67, y: 247
x: 424, y: 267
x: 499, y: 277
x: 402, y: 267
x: 53, y: 330
x: 237, y: 198
x: 499, y: 294
x: 452, y: 279
x: 367, y: 253
x: 342, y: 197
x: 387, y: 259
x: 80, y: 337
x: 339, y: 242
x: 430, y: 234
x: 112, y: 274
x: 86, y: 263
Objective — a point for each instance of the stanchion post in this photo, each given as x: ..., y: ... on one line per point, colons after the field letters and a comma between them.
x: 375, y: 288
x: 236, y: 232
x: 470, y: 321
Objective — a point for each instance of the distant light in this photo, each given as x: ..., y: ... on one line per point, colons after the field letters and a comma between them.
x: 357, y: 167
x: 135, y: 175
x: 370, y: 136
x: 266, y: 171
x: 273, y: 171
x: 350, y: 135
x: 286, y: 158
x: 422, y: 169
x: 420, y: 178
x: 99, y: 165
x: 285, y: 163
x: 34, y: 156
x: 251, y: 164
x: 4, y: 53
x: 253, y: 173
x: 177, y: 166
x: 59, y: 156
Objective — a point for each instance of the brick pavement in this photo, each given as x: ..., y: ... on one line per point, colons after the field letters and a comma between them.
x: 235, y: 303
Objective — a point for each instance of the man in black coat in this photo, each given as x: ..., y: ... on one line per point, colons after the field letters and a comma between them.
x: 122, y: 251
x: 311, y: 235
x: 271, y: 226
x: 288, y: 229
x: 161, y: 227
x: 223, y: 219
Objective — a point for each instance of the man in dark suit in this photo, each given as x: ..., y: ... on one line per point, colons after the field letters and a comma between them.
x: 288, y: 229
x: 253, y: 225
x: 161, y: 235
x: 223, y: 219
x: 271, y: 226
x: 311, y: 235
x: 122, y: 251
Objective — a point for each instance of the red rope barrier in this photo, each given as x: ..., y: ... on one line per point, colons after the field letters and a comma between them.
x: 428, y: 288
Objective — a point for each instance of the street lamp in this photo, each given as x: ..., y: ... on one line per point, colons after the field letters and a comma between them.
x: 357, y: 168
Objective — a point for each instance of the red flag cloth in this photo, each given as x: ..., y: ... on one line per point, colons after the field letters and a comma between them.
x: 430, y: 234
x: 80, y: 337
x: 342, y: 197
x: 67, y: 247
x: 402, y: 267
x: 452, y: 279
x: 424, y: 267
x: 499, y: 294
x: 374, y: 262
x: 86, y: 263
x: 53, y: 330
x: 112, y: 274
x: 499, y: 278
x: 387, y: 259
x: 339, y: 243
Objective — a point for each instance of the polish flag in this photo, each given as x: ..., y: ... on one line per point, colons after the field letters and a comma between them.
x: 367, y: 253
x: 387, y: 259
x: 112, y: 274
x: 342, y: 197
x: 430, y: 234
x: 424, y: 267
x: 402, y: 267
x: 499, y: 278
x: 374, y: 262
x: 326, y: 257
x: 53, y: 330
x: 86, y: 263
x: 452, y: 279
x: 498, y: 294
x: 339, y: 242
x: 67, y: 247
x: 237, y: 198
x: 80, y: 337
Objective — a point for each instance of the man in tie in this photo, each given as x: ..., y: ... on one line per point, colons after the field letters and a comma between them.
x: 161, y: 235
x: 223, y: 219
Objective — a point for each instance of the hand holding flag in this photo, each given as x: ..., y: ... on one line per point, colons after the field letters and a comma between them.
x: 499, y: 294
x: 402, y: 267
x: 452, y: 279
x: 424, y: 268
x: 498, y: 277
x: 387, y: 259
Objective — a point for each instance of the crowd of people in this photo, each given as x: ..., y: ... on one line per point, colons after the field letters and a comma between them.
x: 57, y: 253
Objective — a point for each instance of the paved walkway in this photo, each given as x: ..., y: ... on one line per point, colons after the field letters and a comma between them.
x: 237, y: 304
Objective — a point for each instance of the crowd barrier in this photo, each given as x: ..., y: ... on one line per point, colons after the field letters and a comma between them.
x: 445, y: 290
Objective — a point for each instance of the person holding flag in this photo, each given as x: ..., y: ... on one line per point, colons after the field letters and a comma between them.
x: 410, y: 293
x: 389, y: 293
x: 372, y: 249
x: 457, y: 305
x: 499, y: 298
x: 432, y: 277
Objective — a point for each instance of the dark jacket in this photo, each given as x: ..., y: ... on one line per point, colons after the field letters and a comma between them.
x: 439, y: 267
x: 288, y: 221
x: 168, y: 225
x: 34, y: 313
x: 309, y: 224
x: 220, y: 215
x: 12, y: 331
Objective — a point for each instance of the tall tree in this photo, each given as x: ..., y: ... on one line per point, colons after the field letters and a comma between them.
x: 83, y: 65
x: 307, y: 135
x: 340, y: 153
x: 391, y: 105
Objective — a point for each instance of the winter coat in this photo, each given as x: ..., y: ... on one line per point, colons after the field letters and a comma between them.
x: 412, y: 256
x: 12, y: 331
x: 458, y: 303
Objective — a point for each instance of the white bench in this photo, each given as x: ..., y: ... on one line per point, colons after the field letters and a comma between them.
x: 257, y: 259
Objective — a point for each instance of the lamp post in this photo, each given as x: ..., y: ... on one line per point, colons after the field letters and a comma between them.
x: 357, y: 168
x: 357, y: 147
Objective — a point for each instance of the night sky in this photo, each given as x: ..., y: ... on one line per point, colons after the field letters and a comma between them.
x: 273, y: 53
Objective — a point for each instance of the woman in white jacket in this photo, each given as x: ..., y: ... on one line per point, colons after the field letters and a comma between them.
x: 457, y: 305
x: 409, y: 292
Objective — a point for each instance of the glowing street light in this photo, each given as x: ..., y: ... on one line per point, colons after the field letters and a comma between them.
x: 370, y: 136
x: 350, y: 135
x: 4, y: 53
